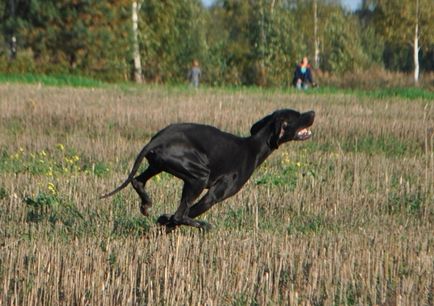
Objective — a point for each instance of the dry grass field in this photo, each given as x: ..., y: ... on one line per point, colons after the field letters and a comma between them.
x: 345, y: 218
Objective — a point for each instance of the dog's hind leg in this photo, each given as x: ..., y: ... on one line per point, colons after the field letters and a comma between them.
x: 139, y: 183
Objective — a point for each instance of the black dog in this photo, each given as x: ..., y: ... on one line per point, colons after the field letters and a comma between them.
x: 207, y: 158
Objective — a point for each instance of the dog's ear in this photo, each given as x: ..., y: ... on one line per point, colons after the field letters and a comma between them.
x: 260, y: 124
x: 278, y: 132
x: 276, y: 125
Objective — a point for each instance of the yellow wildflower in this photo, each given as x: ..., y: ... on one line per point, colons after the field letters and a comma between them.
x: 60, y: 146
x: 50, y: 171
x: 285, y: 158
x: 51, y: 188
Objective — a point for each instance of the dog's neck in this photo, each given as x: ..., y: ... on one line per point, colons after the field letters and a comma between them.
x: 260, y: 144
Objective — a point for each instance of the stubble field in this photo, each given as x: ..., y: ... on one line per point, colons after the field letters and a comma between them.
x: 345, y: 218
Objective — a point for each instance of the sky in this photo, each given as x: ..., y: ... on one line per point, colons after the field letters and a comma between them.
x: 351, y: 4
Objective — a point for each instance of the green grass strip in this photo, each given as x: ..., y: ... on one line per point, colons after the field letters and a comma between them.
x: 410, y: 93
x: 51, y: 80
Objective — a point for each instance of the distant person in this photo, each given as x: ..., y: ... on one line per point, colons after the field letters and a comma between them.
x: 195, y: 74
x: 303, y: 75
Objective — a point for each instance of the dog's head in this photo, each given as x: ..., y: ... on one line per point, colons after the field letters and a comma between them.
x: 285, y: 125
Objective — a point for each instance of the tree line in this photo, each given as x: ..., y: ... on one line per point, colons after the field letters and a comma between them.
x: 236, y: 41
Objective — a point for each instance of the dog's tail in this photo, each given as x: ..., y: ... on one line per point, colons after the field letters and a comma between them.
x: 133, y: 171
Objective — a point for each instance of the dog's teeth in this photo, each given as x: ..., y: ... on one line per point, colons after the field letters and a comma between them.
x: 301, y: 132
x: 304, y: 133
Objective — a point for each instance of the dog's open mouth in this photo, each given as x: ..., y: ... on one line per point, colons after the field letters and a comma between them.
x: 303, y: 134
x: 305, y: 122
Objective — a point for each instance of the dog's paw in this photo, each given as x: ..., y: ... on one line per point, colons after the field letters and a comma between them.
x: 164, y: 219
x: 144, y: 210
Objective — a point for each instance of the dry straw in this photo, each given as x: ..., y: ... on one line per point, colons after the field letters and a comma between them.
x: 346, y: 218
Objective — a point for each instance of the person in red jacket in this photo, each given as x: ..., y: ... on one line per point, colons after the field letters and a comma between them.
x: 303, y: 75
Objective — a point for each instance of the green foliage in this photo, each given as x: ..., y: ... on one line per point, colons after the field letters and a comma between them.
x: 343, y: 49
x: 125, y: 224
x: 396, y: 22
x: 66, y: 37
x: 372, y: 45
x: 227, y: 27
x: 287, y: 177
x: 389, y: 145
x: 24, y: 63
x: 51, y: 208
x: 276, y: 44
x: 130, y: 225
x: 236, y: 42
x: 396, y: 56
x: 172, y: 36
x: 288, y: 174
x: 50, y: 163
x: 409, y: 202
x: 99, y: 168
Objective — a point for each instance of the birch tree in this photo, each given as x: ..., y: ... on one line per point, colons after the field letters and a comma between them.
x: 407, y: 22
x: 416, y: 47
x: 315, y: 34
x: 136, y: 5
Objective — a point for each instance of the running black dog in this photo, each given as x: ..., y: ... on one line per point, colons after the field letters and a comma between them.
x: 207, y: 158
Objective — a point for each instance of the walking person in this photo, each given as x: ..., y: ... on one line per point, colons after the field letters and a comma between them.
x: 194, y: 74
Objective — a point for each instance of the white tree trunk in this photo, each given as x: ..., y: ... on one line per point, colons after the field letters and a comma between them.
x: 315, y: 33
x: 136, y: 49
x: 13, y: 39
x: 416, y: 54
x: 416, y: 47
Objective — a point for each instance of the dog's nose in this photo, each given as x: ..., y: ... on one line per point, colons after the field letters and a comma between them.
x: 309, y: 114
x: 309, y: 117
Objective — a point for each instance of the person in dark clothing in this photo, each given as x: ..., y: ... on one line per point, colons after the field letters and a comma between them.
x: 303, y: 75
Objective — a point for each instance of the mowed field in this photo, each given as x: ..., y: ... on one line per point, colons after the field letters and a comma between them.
x: 345, y: 218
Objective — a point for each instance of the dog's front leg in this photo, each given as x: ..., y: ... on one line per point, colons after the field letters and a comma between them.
x: 191, y: 190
